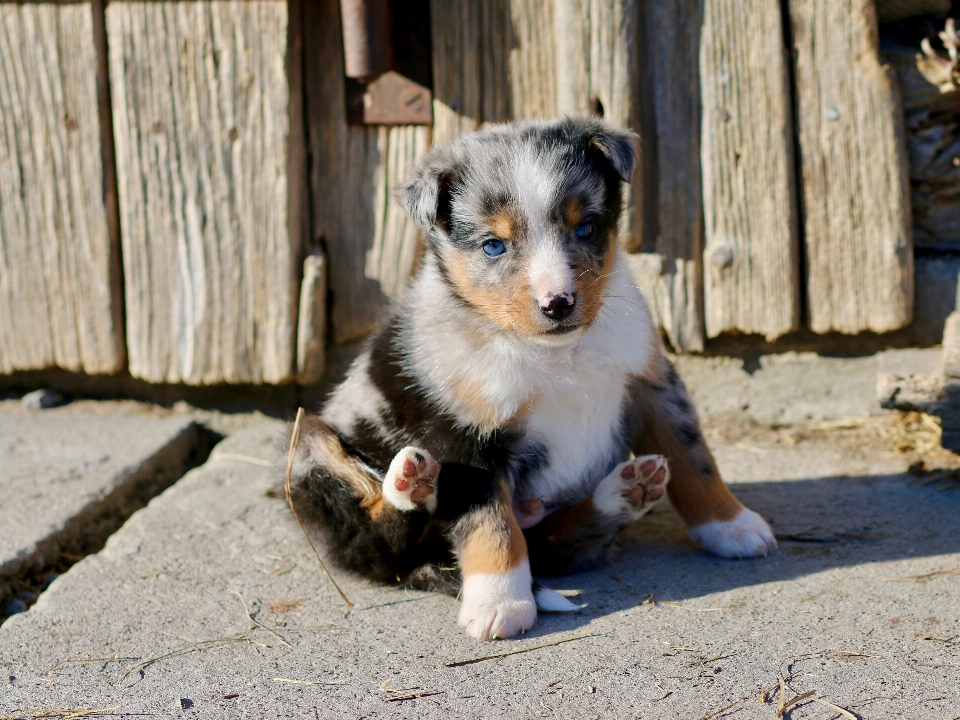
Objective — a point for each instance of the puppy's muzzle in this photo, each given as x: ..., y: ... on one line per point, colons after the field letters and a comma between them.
x: 557, y: 307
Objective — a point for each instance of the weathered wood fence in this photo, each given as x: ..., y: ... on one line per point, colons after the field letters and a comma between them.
x: 181, y: 195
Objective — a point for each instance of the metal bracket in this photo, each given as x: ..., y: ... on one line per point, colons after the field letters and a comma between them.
x: 386, y: 46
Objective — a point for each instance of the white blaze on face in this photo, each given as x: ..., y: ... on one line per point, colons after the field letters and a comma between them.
x: 549, y: 271
x: 537, y: 183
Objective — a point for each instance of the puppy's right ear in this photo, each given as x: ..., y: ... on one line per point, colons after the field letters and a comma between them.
x: 426, y: 196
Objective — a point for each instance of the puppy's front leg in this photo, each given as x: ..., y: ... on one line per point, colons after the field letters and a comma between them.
x: 497, y: 597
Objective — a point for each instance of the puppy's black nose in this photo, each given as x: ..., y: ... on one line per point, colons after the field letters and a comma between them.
x: 557, y: 307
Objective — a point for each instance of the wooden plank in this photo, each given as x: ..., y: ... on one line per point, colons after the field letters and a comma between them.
x: 312, y: 320
x: 595, y: 60
x: 532, y: 80
x: 667, y: 291
x: 854, y: 171
x: 200, y: 106
x: 472, y: 45
x: 397, y: 244
x: 60, y: 299
x: 751, y: 277
x: 670, y: 178
x: 372, y: 247
x: 455, y: 28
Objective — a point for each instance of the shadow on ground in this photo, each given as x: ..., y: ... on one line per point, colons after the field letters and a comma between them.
x: 821, y: 524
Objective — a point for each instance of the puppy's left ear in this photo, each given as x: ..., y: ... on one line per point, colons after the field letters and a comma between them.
x: 425, y: 196
x: 619, y: 147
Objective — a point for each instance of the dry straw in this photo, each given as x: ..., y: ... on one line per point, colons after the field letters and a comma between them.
x: 294, y: 441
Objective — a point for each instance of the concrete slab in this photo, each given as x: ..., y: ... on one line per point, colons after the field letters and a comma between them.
x: 791, y: 387
x: 70, y: 476
x: 858, y: 606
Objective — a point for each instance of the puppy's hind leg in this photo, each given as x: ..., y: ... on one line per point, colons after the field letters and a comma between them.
x: 664, y: 421
x: 381, y: 531
x: 582, y: 536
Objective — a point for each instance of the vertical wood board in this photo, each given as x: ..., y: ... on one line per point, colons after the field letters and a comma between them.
x: 670, y: 181
x: 751, y: 272
x: 200, y: 107
x: 60, y: 299
x: 854, y: 171
x: 472, y: 41
x: 595, y: 60
x: 372, y: 247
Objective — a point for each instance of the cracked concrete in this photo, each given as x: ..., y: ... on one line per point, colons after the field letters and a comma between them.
x: 858, y: 606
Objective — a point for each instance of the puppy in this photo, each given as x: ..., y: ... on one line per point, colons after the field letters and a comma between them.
x: 516, y: 412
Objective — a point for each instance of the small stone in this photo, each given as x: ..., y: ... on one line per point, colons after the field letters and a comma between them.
x: 186, y: 703
x: 42, y: 399
x: 12, y: 607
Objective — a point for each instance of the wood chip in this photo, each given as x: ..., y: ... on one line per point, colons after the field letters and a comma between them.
x: 935, y: 638
x: 725, y: 708
x: 666, y: 693
x: 497, y: 656
x: 293, y: 681
x: 842, y: 711
x: 848, y: 655
x: 799, y: 698
x: 925, y: 576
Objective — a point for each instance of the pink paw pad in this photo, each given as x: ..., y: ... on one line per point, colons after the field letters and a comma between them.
x: 411, y: 480
x: 645, y: 479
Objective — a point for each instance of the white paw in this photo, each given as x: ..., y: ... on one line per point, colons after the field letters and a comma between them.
x: 498, y: 606
x: 633, y: 487
x: 746, y: 536
x: 410, y: 483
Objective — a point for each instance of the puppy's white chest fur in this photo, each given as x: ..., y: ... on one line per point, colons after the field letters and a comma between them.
x: 565, y: 399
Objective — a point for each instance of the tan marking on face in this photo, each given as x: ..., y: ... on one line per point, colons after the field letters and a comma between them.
x: 573, y: 211
x: 497, y: 544
x: 509, y: 305
x: 501, y: 225
x: 591, y: 283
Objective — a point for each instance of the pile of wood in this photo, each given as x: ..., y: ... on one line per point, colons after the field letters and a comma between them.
x: 931, y: 101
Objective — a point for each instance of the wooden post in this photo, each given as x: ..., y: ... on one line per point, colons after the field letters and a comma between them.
x: 854, y: 171
x: 371, y: 245
x: 751, y: 268
x: 204, y: 136
x: 60, y: 294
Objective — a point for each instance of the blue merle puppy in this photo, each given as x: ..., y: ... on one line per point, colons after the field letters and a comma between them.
x: 516, y: 412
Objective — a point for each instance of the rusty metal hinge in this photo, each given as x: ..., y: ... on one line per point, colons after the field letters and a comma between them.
x: 386, y: 47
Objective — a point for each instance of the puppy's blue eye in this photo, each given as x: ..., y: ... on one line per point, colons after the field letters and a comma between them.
x: 494, y: 248
x: 585, y: 230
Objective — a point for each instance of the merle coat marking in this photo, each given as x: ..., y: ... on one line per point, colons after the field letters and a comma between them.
x: 516, y: 412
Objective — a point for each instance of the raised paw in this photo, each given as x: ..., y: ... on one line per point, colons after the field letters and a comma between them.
x: 746, y: 536
x: 633, y: 486
x: 410, y: 483
x: 498, y: 605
